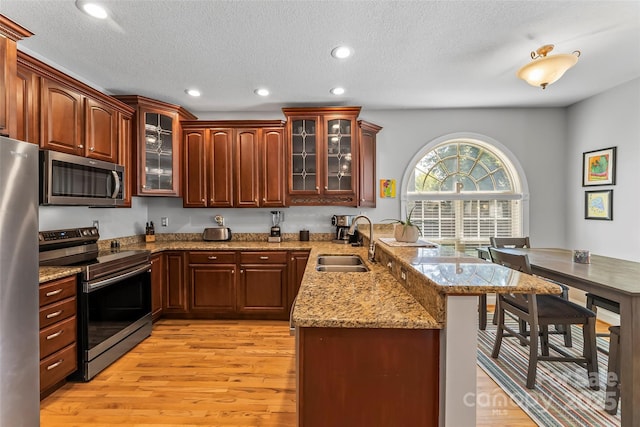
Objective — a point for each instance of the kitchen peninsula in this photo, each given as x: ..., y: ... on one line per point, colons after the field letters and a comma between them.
x: 402, y: 334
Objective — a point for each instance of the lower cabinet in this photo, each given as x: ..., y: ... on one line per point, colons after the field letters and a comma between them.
x: 262, y: 287
x: 212, y: 278
x: 174, y: 299
x: 157, y: 285
x: 58, y: 355
x: 367, y: 377
x: 231, y: 284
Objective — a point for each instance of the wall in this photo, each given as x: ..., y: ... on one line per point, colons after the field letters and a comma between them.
x: 609, y: 119
x: 535, y: 136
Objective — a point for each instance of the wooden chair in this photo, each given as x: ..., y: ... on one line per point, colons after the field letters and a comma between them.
x: 498, y: 242
x: 593, y: 302
x: 540, y: 311
x: 612, y: 396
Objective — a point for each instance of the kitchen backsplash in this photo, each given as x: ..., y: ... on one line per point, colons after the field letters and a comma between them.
x: 123, y: 222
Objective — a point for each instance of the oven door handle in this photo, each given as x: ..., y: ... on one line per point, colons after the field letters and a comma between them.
x: 90, y: 287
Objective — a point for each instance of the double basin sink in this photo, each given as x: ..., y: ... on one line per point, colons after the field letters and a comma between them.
x: 341, y: 264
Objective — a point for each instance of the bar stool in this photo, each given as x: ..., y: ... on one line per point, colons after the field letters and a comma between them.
x: 612, y: 396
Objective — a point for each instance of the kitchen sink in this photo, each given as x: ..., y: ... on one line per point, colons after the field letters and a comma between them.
x: 342, y: 268
x: 340, y: 260
x: 341, y: 264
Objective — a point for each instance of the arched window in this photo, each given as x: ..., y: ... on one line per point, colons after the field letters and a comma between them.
x: 464, y: 190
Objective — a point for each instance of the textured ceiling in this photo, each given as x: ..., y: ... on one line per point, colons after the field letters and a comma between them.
x: 407, y: 54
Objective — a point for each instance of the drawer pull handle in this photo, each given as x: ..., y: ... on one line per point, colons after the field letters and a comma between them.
x: 55, y: 365
x: 212, y: 257
x: 52, y: 293
x: 54, y: 314
x: 56, y: 335
x: 264, y: 257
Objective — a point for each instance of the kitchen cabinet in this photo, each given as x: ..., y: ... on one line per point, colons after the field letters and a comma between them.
x: 125, y: 127
x: 175, y: 299
x: 10, y: 34
x: 322, y: 155
x: 387, y: 377
x: 157, y: 140
x: 262, y: 286
x: 212, y: 281
x: 27, y: 105
x: 58, y: 354
x: 367, y: 167
x: 233, y: 164
x: 75, y: 124
x: 157, y: 285
x: 62, y: 114
x: 297, y: 264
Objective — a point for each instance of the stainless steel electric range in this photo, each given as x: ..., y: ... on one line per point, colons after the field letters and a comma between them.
x: 114, y: 296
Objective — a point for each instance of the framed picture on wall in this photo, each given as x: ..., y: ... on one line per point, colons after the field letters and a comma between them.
x: 598, y: 205
x: 599, y: 167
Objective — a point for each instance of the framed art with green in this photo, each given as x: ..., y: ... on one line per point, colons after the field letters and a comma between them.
x: 598, y: 205
x: 599, y: 167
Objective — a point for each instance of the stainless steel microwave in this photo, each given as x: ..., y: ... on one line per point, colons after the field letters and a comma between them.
x: 66, y: 179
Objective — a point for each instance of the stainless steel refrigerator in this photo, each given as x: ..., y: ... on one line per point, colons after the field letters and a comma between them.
x: 19, y: 342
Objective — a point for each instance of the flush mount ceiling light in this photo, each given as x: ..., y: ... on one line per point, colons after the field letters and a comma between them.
x: 337, y: 91
x: 261, y: 92
x: 544, y: 70
x: 92, y: 9
x: 193, y: 92
x: 341, y: 52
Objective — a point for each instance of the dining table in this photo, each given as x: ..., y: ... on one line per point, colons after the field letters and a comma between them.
x: 612, y: 278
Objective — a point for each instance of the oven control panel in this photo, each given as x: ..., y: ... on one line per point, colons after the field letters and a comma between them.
x: 75, y: 235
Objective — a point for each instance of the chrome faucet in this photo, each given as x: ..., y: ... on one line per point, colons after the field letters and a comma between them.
x: 372, y: 243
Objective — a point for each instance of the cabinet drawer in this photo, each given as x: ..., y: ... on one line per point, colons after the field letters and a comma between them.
x: 57, y: 366
x: 265, y: 257
x: 57, y: 336
x: 53, y: 313
x: 57, y: 290
x: 212, y: 257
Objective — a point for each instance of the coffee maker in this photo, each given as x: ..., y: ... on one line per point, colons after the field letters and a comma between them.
x: 342, y: 224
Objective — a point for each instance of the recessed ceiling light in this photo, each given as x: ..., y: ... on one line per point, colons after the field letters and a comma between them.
x: 341, y: 52
x: 92, y: 9
x: 262, y: 92
x: 193, y: 92
x: 337, y: 90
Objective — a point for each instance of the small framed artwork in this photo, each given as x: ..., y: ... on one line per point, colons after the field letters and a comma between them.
x: 599, y: 167
x: 387, y: 188
x: 598, y: 205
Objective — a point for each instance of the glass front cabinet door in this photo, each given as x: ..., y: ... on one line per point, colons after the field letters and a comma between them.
x: 322, y: 155
x: 157, y: 153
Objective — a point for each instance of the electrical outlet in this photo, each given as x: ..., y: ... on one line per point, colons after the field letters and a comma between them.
x: 403, y: 274
x: 164, y: 221
x: 96, y: 224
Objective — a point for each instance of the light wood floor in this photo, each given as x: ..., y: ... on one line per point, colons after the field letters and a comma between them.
x: 210, y: 373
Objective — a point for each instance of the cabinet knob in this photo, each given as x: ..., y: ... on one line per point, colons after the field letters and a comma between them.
x: 264, y: 199
x: 202, y: 200
x: 212, y: 257
x: 362, y: 200
x: 233, y: 272
x: 264, y: 257
x: 326, y: 188
x: 92, y: 149
x: 80, y: 146
x: 241, y: 271
x: 317, y: 188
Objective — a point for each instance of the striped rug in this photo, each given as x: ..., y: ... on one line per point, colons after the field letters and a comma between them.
x: 561, y: 397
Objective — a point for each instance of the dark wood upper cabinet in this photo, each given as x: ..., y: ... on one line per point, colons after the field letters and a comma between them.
x: 367, y: 168
x: 323, y: 150
x: 101, y: 131
x: 61, y: 124
x: 27, y: 105
x: 157, y: 142
x: 233, y: 163
x: 10, y: 34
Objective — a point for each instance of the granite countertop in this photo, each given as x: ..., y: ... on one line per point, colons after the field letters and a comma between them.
x: 405, y: 288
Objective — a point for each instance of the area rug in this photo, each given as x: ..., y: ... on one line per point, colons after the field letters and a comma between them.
x: 561, y: 397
